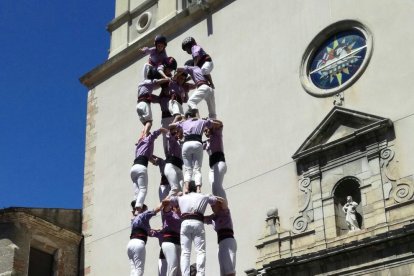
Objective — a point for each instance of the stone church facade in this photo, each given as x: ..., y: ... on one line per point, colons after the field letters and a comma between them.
x: 316, y: 101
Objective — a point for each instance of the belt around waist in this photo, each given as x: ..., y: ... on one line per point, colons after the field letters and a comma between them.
x: 215, y: 158
x: 193, y: 137
x: 224, y: 234
x: 176, y: 161
x: 196, y: 216
x: 142, y: 160
x: 146, y: 99
x: 200, y: 83
x: 140, y: 234
x: 171, y: 237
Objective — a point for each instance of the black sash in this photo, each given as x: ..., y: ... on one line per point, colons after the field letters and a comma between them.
x: 215, y: 158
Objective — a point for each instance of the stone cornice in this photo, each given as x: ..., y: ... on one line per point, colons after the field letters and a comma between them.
x: 45, y: 227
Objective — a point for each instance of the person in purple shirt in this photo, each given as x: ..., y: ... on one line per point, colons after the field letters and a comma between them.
x: 192, y: 151
x: 170, y: 237
x: 179, y: 89
x: 203, y: 91
x: 192, y: 206
x: 140, y: 229
x: 217, y: 162
x: 157, y: 54
x: 223, y: 225
x: 174, y: 162
x: 200, y: 57
x: 139, y: 175
x: 164, y: 97
x: 145, y: 97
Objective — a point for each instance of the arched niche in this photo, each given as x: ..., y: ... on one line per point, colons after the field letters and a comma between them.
x: 347, y: 186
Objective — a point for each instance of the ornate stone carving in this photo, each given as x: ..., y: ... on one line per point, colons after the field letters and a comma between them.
x: 403, y: 192
x: 304, y: 187
x: 300, y: 222
x: 387, y: 155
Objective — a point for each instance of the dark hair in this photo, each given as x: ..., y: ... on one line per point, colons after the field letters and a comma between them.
x: 192, y: 188
x: 189, y: 62
x: 191, y: 113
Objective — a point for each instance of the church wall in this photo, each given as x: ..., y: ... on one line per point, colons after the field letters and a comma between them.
x: 257, y: 48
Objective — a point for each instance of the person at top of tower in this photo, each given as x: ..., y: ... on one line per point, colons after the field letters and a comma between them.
x: 145, y: 96
x: 200, y: 57
x: 157, y: 54
x: 164, y: 97
x: 179, y: 89
x: 203, y: 91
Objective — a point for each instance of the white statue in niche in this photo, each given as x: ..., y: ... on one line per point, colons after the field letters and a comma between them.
x: 350, y: 211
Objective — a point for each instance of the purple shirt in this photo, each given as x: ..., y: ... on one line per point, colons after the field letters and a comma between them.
x: 173, y: 146
x: 195, y: 73
x: 145, y: 146
x: 194, y: 126
x: 215, y: 142
x: 179, y: 91
x: 220, y: 220
x: 142, y: 221
x: 146, y: 87
x: 155, y: 58
x: 172, y: 222
x: 197, y: 51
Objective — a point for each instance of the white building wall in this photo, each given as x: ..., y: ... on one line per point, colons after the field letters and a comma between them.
x: 257, y: 47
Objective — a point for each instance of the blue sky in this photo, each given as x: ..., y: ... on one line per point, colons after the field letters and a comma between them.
x: 45, y: 47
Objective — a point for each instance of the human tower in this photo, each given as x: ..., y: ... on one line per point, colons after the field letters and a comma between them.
x: 182, y: 205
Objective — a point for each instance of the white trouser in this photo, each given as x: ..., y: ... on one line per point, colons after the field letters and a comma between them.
x: 145, y: 70
x: 165, y: 123
x: 207, y: 67
x: 227, y: 256
x: 172, y: 252
x: 139, y: 176
x: 144, y: 112
x: 175, y: 108
x: 216, y: 177
x: 136, y: 255
x: 192, y: 230
x: 204, y: 92
x: 192, y: 158
x: 175, y: 177
x: 162, y: 267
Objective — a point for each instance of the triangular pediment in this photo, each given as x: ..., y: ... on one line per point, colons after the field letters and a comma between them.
x: 339, y: 126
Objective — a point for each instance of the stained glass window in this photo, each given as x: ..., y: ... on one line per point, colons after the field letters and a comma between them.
x: 337, y: 59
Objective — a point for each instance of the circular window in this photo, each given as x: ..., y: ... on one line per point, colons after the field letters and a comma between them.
x: 143, y: 22
x: 336, y: 58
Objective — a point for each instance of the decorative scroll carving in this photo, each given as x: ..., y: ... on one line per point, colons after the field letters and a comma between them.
x: 300, y: 222
x: 403, y: 192
x: 304, y: 187
x: 387, y: 155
